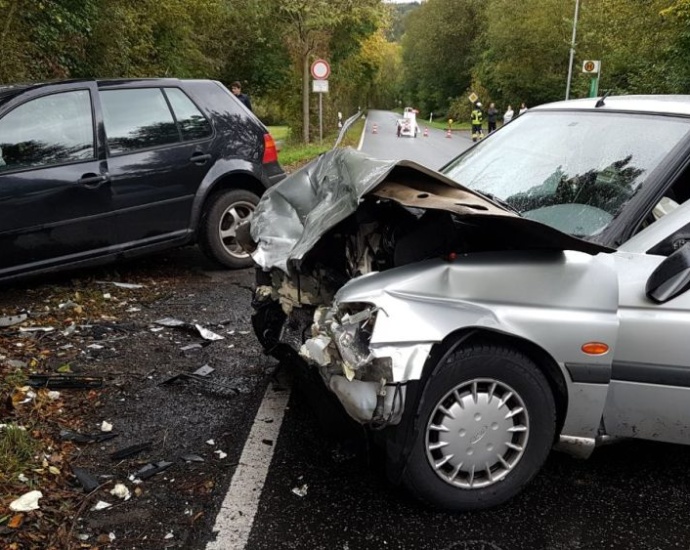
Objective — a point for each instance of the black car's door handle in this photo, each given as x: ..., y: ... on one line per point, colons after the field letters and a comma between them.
x: 200, y: 158
x: 92, y: 181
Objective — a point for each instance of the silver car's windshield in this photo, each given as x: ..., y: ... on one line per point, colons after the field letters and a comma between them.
x: 572, y: 170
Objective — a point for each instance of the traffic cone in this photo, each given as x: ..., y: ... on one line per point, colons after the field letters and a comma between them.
x: 448, y: 134
x: 375, y: 130
x: 426, y: 132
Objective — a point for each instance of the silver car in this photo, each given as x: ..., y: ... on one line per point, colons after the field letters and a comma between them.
x: 531, y: 295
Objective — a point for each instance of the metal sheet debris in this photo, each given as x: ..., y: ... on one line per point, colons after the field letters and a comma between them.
x: 11, y: 320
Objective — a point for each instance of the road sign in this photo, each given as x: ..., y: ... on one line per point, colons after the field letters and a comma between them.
x: 319, y: 86
x: 320, y: 69
x: 590, y: 66
x: 473, y: 97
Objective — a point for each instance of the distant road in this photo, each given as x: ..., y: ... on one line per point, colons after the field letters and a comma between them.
x: 433, y: 151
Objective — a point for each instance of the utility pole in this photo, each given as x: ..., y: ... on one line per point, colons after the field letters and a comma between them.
x: 572, y: 51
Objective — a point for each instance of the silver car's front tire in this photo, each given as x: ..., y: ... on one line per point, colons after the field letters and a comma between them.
x: 487, y: 423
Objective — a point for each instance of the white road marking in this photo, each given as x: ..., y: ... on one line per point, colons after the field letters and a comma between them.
x: 236, y: 515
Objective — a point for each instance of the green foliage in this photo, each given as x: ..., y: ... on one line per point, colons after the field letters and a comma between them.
x: 439, y: 51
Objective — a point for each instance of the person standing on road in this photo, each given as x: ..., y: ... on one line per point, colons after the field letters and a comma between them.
x: 476, y: 118
x: 236, y: 88
x: 492, y: 115
x: 508, y: 116
x: 523, y: 108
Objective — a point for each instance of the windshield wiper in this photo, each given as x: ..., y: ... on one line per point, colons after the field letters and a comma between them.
x: 499, y: 201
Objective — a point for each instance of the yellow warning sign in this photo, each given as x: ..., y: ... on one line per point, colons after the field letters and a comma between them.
x: 473, y: 97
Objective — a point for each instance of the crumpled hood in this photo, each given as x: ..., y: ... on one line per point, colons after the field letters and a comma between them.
x: 293, y: 215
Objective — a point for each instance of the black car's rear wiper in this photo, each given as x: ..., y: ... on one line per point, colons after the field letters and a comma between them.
x: 499, y: 201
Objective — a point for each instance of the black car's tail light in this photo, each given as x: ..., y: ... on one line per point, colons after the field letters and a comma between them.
x: 270, y: 150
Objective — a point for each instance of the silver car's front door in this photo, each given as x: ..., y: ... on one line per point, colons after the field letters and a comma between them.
x: 649, y: 394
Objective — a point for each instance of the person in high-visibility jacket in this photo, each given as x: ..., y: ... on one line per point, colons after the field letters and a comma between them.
x: 476, y: 118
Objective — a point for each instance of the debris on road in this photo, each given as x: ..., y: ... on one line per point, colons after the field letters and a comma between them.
x: 192, y: 458
x: 121, y: 491
x: 131, y: 450
x: 87, y: 480
x: 69, y: 435
x: 300, y: 491
x: 26, y: 502
x: 194, y: 327
x: 221, y: 454
x: 101, y: 505
x: 11, y: 320
x: 130, y: 286
x: 151, y: 469
x: 106, y: 426
x: 64, y: 381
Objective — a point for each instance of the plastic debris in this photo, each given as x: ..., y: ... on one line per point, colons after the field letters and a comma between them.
x: 65, y: 381
x: 26, y: 502
x: 87, y: 480
x: 192, y: 458
x: 169, y: 536
x: 301, y: 491
x: 121, y: 491
x: 23, y: 478
x: 131, y: 450
x: 221, y: 454
x: 208, y: 334
x: 11, y: 320
x: 107, y: 296
x: 177, y: 323
x: 191, y: 349
x: 101, y: 505
x: 121, y: 285
x: 170, y: 322
x: 69, y: 435
x: 53, y: 395
x: 152, y: 468
x: 211, y: 442
x: 106, y: 426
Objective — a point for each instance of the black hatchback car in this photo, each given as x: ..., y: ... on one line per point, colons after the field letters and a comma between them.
x: 95, y: 171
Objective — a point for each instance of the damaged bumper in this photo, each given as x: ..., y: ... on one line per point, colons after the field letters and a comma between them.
x: 370, y: 381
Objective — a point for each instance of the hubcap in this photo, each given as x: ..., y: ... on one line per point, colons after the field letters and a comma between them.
x: 227, y: 229
x: 477, y: 433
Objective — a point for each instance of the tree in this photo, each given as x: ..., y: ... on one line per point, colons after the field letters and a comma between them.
x: 309, y: 27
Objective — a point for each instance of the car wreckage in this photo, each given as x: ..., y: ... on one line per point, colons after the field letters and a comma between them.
x: 469, y: 338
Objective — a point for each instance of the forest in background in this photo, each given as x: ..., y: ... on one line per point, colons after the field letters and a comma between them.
x: 428, y: 55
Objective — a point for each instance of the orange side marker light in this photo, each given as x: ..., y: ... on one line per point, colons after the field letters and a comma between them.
x: 595, y: 348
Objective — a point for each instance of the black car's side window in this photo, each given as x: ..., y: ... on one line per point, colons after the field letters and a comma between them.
x: 192, y: 123
x: 137, y: 119
x: 48, y: 130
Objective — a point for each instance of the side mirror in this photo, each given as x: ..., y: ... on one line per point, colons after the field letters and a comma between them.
x: 671, y: 278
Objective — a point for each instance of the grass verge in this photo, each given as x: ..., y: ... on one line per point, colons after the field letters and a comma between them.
x: 294, y: 155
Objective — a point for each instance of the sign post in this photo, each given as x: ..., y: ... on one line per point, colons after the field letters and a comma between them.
x: 320, y: 70
x: 592, y: 67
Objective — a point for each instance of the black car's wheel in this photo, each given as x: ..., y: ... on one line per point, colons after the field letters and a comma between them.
x: 487, y: 422
x: 218, y: 234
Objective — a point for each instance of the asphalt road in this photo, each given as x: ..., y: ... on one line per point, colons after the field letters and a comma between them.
x: 433, y: 151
